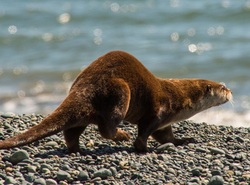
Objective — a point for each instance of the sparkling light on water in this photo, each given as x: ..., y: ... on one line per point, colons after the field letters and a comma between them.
x: 47, y: 37
x: 98, y: 36
x: 215, y: 30
x: 12, y: 29
x: 175, y: 36
x: 64, y: 18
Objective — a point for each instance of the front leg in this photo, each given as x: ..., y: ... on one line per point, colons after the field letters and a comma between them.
x: 145, y: 129
x: 166, y: 135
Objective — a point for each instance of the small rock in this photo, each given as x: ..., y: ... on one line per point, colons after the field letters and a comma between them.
x: 166, y: 146
x: 113, y: 171
x: 103, y: 173
x: 216, y: 150
x: 83, y: 176
x: 51, y: 182
x: 8, y: 169
x: 240, y: 139
x: 62, y: 175
x: 39, y: 181
x: 45, y: 166
x: 195, y: 180
x: 171, y: 170
x: 215, y: 172
x: 10, y: 180
x: 51, y: 143
x: 123, y: 164
x: 202, y: 150
x: 29, y: 177
x: 8, y: 115
x: 19, y: 156
x: 196, y: 172
x: 216, y: 180
x: 31, y: 168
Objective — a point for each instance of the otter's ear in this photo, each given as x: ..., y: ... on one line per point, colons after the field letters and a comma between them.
x: 209, y: 88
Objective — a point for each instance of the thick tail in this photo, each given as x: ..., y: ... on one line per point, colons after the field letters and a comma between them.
x: 49, y: 126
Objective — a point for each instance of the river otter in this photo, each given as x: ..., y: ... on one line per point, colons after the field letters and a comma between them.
x: 118, y: 87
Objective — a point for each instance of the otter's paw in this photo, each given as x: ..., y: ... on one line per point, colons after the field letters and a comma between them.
x: 121, y: 135
x: 140, y: 146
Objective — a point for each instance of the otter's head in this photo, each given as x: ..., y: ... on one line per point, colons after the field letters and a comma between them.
x: 217, y: 94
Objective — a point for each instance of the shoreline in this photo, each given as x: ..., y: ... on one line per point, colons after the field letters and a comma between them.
x: 220, y: 156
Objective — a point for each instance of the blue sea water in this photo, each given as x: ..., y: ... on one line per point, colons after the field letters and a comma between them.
x: 45, y: 44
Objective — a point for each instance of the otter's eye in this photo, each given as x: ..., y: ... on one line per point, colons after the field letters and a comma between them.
x: 209, y: 88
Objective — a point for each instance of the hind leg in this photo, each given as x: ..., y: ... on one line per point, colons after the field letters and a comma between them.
x: 166, y: 135
x: 113, y: 112
x: 71, y: 137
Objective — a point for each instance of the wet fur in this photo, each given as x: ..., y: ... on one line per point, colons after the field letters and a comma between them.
x: 118, y: 87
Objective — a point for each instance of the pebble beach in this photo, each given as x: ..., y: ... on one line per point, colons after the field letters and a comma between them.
x: 219, y: 156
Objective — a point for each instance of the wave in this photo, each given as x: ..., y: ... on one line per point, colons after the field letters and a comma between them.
x: 226, y: 117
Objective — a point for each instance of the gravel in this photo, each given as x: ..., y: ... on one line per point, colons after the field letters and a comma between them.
x: 221, y: 155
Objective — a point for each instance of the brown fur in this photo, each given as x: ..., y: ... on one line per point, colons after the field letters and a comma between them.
x: 118, y: 87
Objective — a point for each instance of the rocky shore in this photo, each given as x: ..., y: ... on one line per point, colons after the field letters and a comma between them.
x: 220, y: 156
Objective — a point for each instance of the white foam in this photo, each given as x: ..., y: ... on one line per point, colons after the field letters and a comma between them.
x: 223, y: 117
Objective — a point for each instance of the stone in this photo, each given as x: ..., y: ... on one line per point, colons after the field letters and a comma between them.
x: 62, y: 175
x: 83, y: 176
x: 103, y: 173
x: 216, y: 150
x: 19, y: 156
x: 216, y: 180
x: 10, y: 180
x: 113, y: 171
x: 51, y: 182
x: 196, y: 172
x: 166, y: 146
x: 51, y: 143
x: 8, y: 115
x: 31, y: 168
x: 39, y: 181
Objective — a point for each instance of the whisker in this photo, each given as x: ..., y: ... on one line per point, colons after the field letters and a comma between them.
x: 230, y: 98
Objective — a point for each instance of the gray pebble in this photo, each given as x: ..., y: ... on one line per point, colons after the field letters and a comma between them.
x: 83, y: 175
x: 214, y: 150
x: 103, y: 173
x: 8, y: 115
x: 51, y: 143
x: 31, y: 168
x: 39, y: 181
x: 166, y: 146
x: 215, y: 172
x: 19, y: 156
x: 240, y: 139
x: 44, y: 165
x: 51, y: 182
x: 195, y: 180
x: 30, y: 177
x: 202, y: 150
x: 10, y: 180
x: 113, y: 171
x: 171, y: 170
x: 62, y: 175
x: 216, y: 180
x: 196, y: 171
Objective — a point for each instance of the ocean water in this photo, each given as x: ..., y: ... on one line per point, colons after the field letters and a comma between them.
x: 45, y: 44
